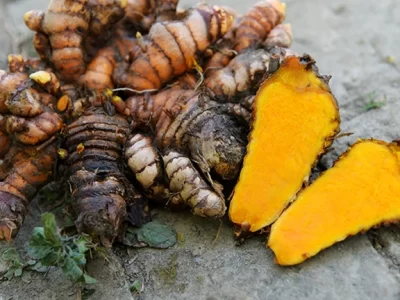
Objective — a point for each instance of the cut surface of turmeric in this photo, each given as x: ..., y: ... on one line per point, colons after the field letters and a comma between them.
x: 361, y: 191
x: 295, y: 120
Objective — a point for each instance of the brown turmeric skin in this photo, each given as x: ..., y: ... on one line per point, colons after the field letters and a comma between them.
x: 104, y: 14
x: 101, y: 192
x: 191, y: 188
x: 281, y: 35
x: 98, y: 75
x: 139, y: 14
x: 5, y: 144
x: 198, y: 129
x: 27, y: 169
x: 64, y: 29
x: 61, y: 31
x: 178, y: 118
x: 8, y: 84
x: 27, y: 139
x: 145, y: 162
x: 257, y: 23
x: 165, y: 10
x: 172, y: 48
x: 99, y: 71
x: 243, y: 74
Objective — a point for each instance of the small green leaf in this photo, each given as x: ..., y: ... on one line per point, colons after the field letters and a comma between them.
x: 31, y: 262
x: 38, y: 247
x: 81, y: 243
x: 52, y: 259
x: 136, y: 286
x: 38, y: 267
x: 10, y: 274
x: 10, y: 254
x: 373, y: 105
x: 50, y: 229
x: 89, y: 279
x: 18, y: 272
x: 72, y: 270
x: 79, y: 258
x: 157, y: 235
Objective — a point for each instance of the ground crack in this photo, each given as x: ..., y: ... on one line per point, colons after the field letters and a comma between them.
x: 379, y: 239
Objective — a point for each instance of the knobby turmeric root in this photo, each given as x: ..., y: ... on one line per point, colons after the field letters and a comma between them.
x: 65, y: 32
x: 27, y: 120
x: 101, y: 194
x: 27, y: 169
x: 172, y: 48
x: 281, y: 35
x: 361, y: 191
x: 257, y: 23
x: 243, y: 74
x: 191, y: 188
x: 295, y: 120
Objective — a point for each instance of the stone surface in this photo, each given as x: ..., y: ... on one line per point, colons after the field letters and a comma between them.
x: 350, y: 40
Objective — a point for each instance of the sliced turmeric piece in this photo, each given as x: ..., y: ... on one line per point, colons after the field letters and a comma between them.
x: 362, y: 190
x: 295, y: 120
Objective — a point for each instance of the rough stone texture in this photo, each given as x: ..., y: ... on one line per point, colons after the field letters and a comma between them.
x: 350, y: 40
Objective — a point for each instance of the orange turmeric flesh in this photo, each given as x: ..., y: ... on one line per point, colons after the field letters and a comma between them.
x: 296, y: 118
x: 361, y: 190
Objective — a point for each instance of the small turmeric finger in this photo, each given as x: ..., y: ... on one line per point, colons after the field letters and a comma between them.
x: 98, y: 75
x: 104, y: 14
x: 145, y: 162
x: 172, y: 48
x: 242, y: 75
x: 165, y: 10
x: 9, y: 82
x: 65, y: 24
x: 185, y: 180
x: 25, y: 103
x: 257, y: 23
x: 28, y: 170
x: 46, y: 80
x: 34, y: 130
x: 281, y: 35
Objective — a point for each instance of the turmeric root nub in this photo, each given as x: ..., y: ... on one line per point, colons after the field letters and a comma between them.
x: 361, y: 191
x: 295, y: 120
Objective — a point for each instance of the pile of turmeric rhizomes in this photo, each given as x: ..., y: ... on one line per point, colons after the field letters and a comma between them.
x: 153, y: 102
x: 131, y: 101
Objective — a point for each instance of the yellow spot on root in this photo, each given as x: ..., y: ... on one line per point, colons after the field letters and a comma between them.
x: 41, y: 77
x: 197, y: 67
x: 361, y: 191
x: 124, y: 3
x: 108, y: 92
x: 116, y: 99
x: 12, y: 57
x: 5, y: 232
x: 27, y: 16
x: 62, y: 153
x: 80, y: 148
x: 296, y: 118
x: 63, y: 102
